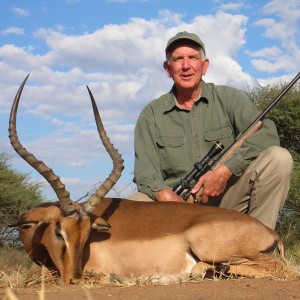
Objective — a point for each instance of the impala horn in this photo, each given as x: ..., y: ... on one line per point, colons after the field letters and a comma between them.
x: 67, y: 207
x: 118, y: 163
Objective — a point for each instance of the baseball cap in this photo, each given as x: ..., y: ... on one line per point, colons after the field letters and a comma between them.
x: 184, y: 35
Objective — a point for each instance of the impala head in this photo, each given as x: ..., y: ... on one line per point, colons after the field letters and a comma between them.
x: 61, y: 229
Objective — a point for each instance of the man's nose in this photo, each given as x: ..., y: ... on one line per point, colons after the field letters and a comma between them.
x: 185, y: 63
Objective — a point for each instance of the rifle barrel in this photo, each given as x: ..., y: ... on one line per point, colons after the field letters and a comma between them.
x: 274, y: 102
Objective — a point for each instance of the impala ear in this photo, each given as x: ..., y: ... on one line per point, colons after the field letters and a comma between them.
x: 37, y: 215
x: 23, y: 224
x: 100, y: 225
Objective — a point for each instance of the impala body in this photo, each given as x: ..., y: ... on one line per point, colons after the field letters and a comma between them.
x: 117, y: 236
x: 168, y: 240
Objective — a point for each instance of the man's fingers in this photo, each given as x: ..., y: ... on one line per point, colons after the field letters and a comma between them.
x: 197, y: 186
x: 204, y: 199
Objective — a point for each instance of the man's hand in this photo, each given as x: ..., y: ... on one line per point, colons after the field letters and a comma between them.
x: 213, y: 183
x: 168, y: 195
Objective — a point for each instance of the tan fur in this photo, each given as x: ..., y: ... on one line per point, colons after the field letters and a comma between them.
x: 152, y: 239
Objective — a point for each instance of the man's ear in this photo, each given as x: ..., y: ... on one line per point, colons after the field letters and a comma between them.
x: 205, y: 66
x: 167, y: 68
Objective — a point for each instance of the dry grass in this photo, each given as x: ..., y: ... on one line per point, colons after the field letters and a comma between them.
x: 17, y: 271
x: 42, y: 280
x: 9, y: 295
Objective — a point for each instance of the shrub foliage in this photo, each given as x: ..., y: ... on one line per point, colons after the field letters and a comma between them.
x: 17, y: 195
x: 286, y: 115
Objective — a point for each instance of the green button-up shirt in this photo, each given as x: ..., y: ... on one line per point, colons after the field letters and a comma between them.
x: 169, y: 140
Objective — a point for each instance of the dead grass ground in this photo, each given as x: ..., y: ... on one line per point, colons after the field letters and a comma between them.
x: 29, y: 283
x: 204, y: 289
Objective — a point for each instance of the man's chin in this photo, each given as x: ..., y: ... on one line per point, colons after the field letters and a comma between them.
x: 186, y: 85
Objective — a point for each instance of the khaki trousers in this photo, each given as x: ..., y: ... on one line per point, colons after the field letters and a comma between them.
x: 260, y: 191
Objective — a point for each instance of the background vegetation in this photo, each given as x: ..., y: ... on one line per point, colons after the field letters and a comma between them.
x: 18, y: 193
x: 286, y: 115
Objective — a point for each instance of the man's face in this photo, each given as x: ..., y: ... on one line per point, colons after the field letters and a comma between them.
x: 186, y: 67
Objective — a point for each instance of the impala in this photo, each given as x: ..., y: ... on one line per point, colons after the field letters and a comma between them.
x: 170, y: 241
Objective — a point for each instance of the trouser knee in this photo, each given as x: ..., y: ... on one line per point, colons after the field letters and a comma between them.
x: 278, y: 159
x: 262, y: 189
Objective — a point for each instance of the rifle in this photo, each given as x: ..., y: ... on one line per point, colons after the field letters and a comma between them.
x: 184, y: 187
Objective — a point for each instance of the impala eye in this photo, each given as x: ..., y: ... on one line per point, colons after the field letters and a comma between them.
x: 26, y: 226
x: 59, y: 235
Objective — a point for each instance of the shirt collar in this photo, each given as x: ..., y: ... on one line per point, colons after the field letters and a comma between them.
x: 171, y: 102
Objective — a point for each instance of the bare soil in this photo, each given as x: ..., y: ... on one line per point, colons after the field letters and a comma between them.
x: 204, y: 289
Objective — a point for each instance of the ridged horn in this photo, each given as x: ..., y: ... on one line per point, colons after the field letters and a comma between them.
x: 63, y: 195
x: 118, y: 165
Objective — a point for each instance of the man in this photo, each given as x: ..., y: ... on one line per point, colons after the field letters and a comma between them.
x: 178, y: 129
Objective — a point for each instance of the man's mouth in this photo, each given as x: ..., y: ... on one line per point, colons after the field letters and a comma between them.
x: 186, y: 76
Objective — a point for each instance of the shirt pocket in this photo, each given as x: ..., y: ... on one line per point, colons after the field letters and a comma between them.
x: 222, y: 134
x: 172, y: 154
x: 170, y: 141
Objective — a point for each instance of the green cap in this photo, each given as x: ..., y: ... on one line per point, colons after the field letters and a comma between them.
x: 184, y: 35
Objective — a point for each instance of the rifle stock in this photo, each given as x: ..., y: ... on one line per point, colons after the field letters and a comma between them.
x: 185, y: 186
x: 237, y: 144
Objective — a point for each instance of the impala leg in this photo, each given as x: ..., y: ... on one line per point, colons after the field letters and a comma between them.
x: 275, y: 268
x: 201, y: 270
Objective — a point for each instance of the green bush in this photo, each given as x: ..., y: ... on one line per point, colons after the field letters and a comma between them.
x: 286, y: 115
x: 17, y: 195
